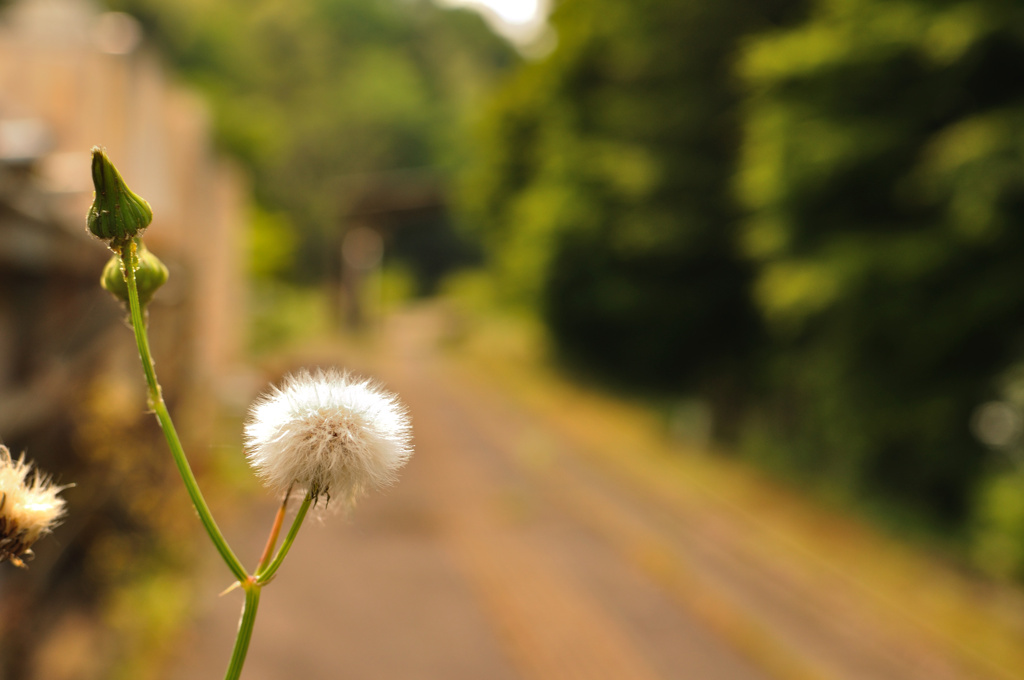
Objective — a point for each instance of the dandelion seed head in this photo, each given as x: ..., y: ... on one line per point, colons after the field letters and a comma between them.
x: 328, y: 433
x: 29, y: 507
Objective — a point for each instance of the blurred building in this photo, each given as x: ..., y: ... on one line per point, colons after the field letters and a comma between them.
x: 72, y: 77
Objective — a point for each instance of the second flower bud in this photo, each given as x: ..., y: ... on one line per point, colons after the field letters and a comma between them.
x: 150, y: 274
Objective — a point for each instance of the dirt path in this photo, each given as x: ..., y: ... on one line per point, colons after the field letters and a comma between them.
x: 502, y: 554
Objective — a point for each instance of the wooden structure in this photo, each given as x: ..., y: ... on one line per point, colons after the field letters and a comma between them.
x: 71, y: 79
x: 71, y: 391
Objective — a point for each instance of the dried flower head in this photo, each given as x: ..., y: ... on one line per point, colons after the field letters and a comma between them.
x: 328, y: 433
x: 29, y: 507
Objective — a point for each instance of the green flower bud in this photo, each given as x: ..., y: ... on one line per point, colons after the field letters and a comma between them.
x: 117, y: 214
x: 150, y: 274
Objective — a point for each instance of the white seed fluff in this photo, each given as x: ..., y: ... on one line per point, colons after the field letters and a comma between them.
x: 29, y: 507
x: 328, y: 433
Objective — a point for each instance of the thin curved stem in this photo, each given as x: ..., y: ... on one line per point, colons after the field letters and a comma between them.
x: 264, y: 576
x: 249, y: 607
x: 275, y: 531
x: 156, y: 402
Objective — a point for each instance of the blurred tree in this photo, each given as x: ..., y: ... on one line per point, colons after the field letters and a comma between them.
x: 602, y: 189
x: 310, y: 94
x: 883, y: 168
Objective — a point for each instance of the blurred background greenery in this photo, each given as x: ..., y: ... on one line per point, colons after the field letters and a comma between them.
x: 802, y: 219
x: 803, y: 214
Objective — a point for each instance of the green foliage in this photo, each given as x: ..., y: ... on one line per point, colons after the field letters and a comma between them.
x: 806, y: 214
x: 814, y: 226
x: 282, y: 314
x: 998, y: 532
x: 310, y: 94
x: 388, y: 289
x: 272, y: 242
x: 603, y: 190
x: 882, y: 172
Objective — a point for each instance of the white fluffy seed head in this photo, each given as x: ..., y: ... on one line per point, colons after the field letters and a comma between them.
x: 29, y: 507
x: 328, y: 433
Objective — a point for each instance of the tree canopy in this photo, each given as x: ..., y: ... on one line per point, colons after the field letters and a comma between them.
x: 603, y: 190
x: 807, y: 214
x: 310, y: 94
x: 881, y: 174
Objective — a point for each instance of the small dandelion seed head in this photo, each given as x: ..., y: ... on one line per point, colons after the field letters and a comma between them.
x: 328, y: 433
x: 29, y: 507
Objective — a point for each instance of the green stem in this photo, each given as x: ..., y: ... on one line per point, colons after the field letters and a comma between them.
x: 156, y: 402
x: 252, y: 602
x: 265, y: 575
